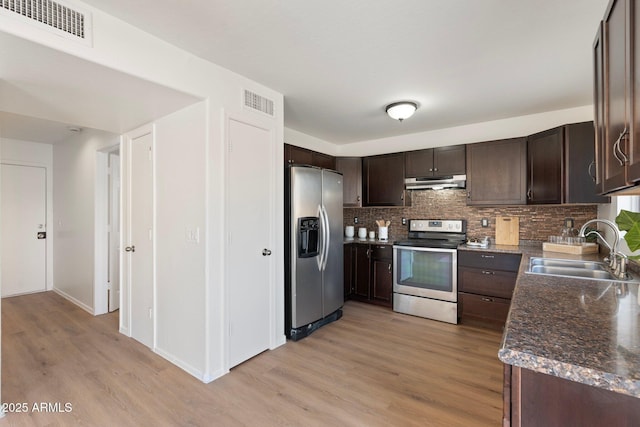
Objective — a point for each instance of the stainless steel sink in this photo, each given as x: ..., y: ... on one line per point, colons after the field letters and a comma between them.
x: 574, y: 268
x: 551, y: 262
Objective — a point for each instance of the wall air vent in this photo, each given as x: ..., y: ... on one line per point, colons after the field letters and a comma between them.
x: 54, y: 16
x: 259, y: 103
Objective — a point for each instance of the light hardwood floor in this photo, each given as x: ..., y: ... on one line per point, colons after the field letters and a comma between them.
x: 371, y: 368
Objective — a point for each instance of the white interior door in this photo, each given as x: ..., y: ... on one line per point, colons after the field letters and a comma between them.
x: 114, y: 232
x: 249, y: 220
x: 24, y: 210
x: 140, y: 248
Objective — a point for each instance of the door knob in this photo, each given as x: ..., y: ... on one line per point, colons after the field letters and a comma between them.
x: 266, y: 252
x: 130, y: 248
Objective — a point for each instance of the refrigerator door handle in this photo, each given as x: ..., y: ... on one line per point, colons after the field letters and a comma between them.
x: 320, y: 257
x: 327, y: 237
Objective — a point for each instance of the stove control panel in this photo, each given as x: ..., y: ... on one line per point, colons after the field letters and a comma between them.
x: 447, y: 225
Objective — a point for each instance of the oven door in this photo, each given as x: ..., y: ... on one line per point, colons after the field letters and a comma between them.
x: 426, y: 272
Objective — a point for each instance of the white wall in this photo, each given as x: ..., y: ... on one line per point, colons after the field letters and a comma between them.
x: 74, y: 174
x: 35, y: 154
x: 299, y: 139
x: 180, y: 199
x: 478, y: 132
x: 125, y: 48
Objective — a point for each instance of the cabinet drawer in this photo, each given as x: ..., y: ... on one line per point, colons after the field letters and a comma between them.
x: 486, y: 308
x: 489, y: 260
x: 382, y: 251
x: 485, y: 281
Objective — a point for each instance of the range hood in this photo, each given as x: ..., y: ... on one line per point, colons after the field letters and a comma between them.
x: 436, y: 183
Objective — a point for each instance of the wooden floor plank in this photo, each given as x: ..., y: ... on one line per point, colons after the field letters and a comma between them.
x: 373, y: 367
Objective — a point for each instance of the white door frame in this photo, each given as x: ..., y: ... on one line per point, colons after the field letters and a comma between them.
x: 49, y: 214
x: 101, y: 264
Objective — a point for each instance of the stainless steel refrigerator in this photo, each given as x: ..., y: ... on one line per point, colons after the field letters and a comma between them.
x: 314, y: 278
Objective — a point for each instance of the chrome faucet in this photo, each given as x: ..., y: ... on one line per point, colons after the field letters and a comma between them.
x: 617, y: 260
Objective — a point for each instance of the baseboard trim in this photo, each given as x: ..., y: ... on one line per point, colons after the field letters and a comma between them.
x: 77, y: 302
x: 199, y: 374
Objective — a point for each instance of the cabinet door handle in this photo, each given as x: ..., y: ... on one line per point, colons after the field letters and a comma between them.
x: 389, y: 267
x: 402, y: 196
x: 615, y: 152
x: 487, y: 299
x: 487, y: 272
x: 616, y: 148
x: 529, y: 194
x: 468, y: 194
x: 430, y: 169
x: 435, y: 169
x: 593, y: 176
x: 358, y: 198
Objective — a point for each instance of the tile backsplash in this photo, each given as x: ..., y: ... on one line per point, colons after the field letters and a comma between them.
x: 536, y: 222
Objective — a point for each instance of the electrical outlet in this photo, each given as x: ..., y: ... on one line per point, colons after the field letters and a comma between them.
x: 404, y: 221
x: 484, y: 222
x: 355, y: 219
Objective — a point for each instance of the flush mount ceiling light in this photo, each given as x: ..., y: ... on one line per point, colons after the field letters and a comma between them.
x: 401, y: 110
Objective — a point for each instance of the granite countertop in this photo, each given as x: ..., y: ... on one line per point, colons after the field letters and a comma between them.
x: 581, y: 330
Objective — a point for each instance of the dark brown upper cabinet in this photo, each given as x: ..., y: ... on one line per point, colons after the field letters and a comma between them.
x: 616, y: 97
x: 297, y: 155
x: 302, y: 156
x: 598, y: 110
x: 351, y: 169
x: 436, y: 162
x: 561, y: 164
x: 323, y: 160
x: 579, y: 163
x: 544, y: 156
x: 383, y: 180
x: 497, y: 172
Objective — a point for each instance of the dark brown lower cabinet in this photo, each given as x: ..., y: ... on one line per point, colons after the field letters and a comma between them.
x: 382, y: 274
x: 368, y: 273
x: 532, y: 399
x: 361, y: 270
x: 485, y: 283
x: 348, y: 270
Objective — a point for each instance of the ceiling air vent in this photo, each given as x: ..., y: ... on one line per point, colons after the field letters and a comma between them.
x: 64, y: 20
x: 259, y: 103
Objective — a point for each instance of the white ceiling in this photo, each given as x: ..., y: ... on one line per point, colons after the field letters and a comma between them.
x: 42, y: 91
x: 338, y: 63
x: 27, y: 128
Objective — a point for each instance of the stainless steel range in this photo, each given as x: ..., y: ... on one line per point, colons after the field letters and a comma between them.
x: 425, y: 276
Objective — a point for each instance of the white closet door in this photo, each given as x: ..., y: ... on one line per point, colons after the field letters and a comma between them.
x: 249, y: 213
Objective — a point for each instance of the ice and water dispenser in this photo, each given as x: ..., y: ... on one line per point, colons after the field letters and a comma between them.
x: 308, y: 228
